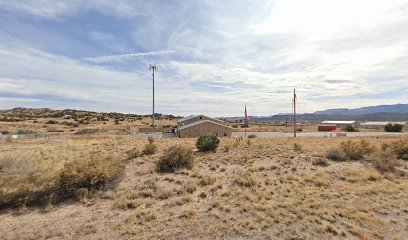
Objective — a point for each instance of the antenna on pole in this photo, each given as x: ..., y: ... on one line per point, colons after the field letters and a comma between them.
x: 153, y: 68
x: 294, y: 112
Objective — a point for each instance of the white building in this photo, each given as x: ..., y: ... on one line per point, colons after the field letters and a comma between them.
x: 339, y: 124
x: 380, y: 125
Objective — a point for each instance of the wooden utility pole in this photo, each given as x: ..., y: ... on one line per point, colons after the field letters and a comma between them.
x: 294, y: 113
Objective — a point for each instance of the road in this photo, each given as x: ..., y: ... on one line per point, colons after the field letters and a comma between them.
x: 317, y: 134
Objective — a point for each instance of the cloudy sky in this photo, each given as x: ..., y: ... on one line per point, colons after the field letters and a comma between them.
x: 213, y: 56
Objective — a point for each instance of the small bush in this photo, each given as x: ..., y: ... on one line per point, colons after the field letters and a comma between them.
x: 321, y: 162
x: 333, y: 154
x: 133, y: 153
x: 350, y: 129
x: 51, y: 122
x: 245, y: 179
x: 94, y: 174
x: 150, y: 140
x: 227, y: 148
x: 323, y: 179
x: 207, y: 143
x: 207, y: 180
x: 393, y: 127
x: 187, y: 213
x: 175, y: 158
x: 190, y: 187
x: 76, y: 179
x: 297, y: 147
x: 252, y: 136
x: 149, y: 149
x: 385, y: 161
x: 400, y: 148
x: 355, y: 150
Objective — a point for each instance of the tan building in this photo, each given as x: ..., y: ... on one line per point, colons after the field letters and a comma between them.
x: 204, y: 128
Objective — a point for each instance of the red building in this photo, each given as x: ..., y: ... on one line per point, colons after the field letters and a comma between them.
x: 326, y: 128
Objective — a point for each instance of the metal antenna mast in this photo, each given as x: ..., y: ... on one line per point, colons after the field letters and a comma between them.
x: 294, y: 113
x: 153, y: 68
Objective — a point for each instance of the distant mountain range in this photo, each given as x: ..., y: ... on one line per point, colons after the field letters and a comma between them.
x: 397, y: 108
x: 396, y: 112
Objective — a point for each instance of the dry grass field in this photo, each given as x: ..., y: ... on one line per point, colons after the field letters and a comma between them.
x: 44, y: 121
x: 249, y: 189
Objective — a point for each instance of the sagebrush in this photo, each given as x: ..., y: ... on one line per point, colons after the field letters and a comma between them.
x: 174, y: 158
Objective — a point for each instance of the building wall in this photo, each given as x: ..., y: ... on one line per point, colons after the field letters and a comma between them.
x: 205, y: 129
x: 326, y: 128
x: 159, y: 129
x: 343, y: 125
x: 195, y: 119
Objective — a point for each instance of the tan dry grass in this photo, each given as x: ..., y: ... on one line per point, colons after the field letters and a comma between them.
x: 284, y: 203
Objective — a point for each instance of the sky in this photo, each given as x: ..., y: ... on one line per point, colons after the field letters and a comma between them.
x: 213, y: 57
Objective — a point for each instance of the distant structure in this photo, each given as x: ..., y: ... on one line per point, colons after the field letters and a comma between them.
x: 339, y: 124
x: 381, y: 125
x: 201, y: 125
x: 153, y: 68
x: 294, y: 113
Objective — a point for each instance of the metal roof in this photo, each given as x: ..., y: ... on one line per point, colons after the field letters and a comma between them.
x: 201, y: 122
x: 381, y: 123
x: 338, y: 122
x: 193, y: 116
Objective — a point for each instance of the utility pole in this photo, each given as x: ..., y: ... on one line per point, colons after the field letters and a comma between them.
x: 153, y: 68
x: 294, y: 113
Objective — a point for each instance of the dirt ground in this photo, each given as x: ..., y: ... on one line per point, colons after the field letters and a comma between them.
x: 251, y: 189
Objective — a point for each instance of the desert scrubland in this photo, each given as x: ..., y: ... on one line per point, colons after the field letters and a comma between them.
x: 113, y: 187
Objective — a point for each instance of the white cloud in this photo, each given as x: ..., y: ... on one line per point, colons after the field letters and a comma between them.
x: 225, y: 54
x: 63, y: 8
x: 126, y: 57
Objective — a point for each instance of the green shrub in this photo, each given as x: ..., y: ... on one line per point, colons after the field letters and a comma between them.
x: 176, y: 157
x: 149, y: 149
x: 393, y: 127
x: 207, y: 143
